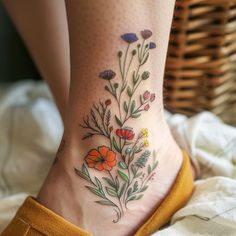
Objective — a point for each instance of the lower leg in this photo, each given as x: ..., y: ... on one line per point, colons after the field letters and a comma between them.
x: 43, y: 26
x: 118, y: 156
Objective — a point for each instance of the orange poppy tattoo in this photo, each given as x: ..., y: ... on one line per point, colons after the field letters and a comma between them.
x: 125, y: 164
x: 101, y: 159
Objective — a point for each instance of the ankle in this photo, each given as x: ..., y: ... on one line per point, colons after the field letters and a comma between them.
x: 65, y: 176
x: 158, y: 137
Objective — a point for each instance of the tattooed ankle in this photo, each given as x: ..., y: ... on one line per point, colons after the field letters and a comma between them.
x: 125, y: 165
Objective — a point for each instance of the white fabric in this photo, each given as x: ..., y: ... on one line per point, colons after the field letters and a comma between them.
x: 30, y: 131
x: 212, y: 146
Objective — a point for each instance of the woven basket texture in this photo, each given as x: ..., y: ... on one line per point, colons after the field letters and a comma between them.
x: 201, y: 63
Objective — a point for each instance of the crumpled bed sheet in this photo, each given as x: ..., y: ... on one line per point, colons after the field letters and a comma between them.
x: 30, y: 132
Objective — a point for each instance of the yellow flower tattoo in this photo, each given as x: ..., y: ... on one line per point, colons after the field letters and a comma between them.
x: 146, y: 143
x: 144, y: 131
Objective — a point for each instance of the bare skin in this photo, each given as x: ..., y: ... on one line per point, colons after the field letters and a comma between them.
x: 95, y: 29
x: 44, y: 28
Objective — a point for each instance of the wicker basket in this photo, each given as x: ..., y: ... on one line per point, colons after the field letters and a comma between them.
x: 201, y: 64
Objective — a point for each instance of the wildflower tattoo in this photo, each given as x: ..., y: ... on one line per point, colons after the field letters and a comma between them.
x: 125, y: 162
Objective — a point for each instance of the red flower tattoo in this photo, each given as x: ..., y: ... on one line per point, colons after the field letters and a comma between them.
x: 146, y: 108
x: 153, y: 96
x: 125, y: 133
x: 108, y: 102
x: 146, y: 95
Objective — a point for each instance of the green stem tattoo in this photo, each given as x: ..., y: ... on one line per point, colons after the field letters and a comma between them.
x: 124, y: 165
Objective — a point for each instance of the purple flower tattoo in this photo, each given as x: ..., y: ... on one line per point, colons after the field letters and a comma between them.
x: 152, y: 45
x: 129, y: 37
x: 146, y: 33
x: 107, y: 74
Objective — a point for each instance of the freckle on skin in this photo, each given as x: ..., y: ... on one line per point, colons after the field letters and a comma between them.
x: 96, y: 41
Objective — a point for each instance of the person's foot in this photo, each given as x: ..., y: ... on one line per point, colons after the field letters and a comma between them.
x: 67, y: 194
x: 118, y: 160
